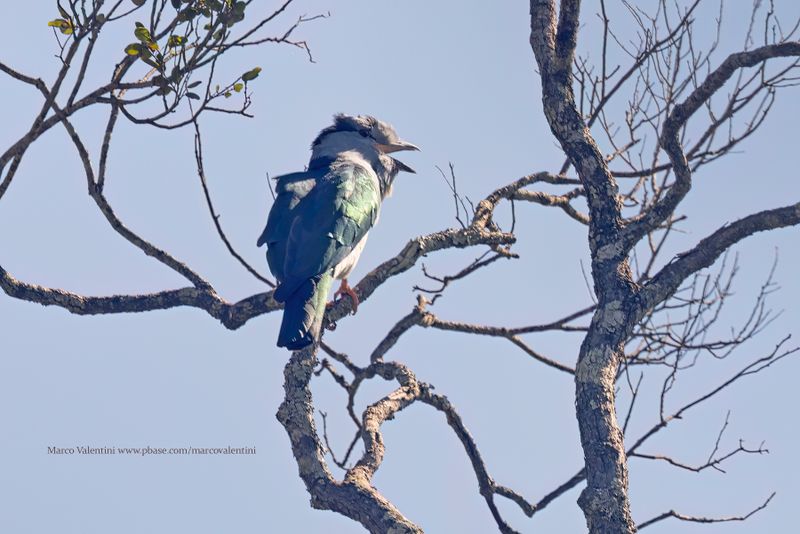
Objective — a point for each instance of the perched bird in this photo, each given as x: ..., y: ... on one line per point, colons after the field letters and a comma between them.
x: 319, y: 222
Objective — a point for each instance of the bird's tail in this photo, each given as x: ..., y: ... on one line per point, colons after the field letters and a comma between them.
x: 303, y: 311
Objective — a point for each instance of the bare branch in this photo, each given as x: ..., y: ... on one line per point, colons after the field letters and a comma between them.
x: 667, y: 281
x: 487, y: 486
x: 198, y: 154
x: 670, y: 141
x: 699, y: 519
x: 232, y: 316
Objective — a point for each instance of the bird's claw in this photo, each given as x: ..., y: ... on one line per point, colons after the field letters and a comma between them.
x: 345, y: 289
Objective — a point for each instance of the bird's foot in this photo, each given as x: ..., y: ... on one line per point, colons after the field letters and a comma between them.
x: 345, y: 289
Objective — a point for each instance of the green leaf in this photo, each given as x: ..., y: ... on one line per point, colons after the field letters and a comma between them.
x: 176, y: 4
x: 193, y: 96
x: 227, y: 94
x: 142, y: 33
x: 146, y: 57
x: 251, y: 74
x: 133, y: 49
x: 143, y: 53
x: 237, y: 13
x: 64, y: 26
x: 175, y: 41
x: 139, y: 2
x: 186, y: 15
x: 238, y: 87
x: 194, y: 84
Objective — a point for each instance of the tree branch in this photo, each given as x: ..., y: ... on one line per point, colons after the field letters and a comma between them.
x: 354, y: 497
x: 699, y: 519
x: 670, y: 141
x: 232, y: 316
x: 666, y: 282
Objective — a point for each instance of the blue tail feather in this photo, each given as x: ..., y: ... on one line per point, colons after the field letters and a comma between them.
x: 303, y: 312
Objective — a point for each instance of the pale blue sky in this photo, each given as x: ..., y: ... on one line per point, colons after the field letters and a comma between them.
x: 458, y: 80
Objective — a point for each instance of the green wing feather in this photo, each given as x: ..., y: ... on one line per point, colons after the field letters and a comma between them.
x: 329, y: 221
x: 316, y: 220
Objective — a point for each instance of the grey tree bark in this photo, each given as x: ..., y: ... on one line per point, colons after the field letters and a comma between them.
x: 628, y: 207
x: 621, y: 302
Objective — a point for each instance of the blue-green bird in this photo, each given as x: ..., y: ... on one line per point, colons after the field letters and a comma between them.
x: 319, y: 222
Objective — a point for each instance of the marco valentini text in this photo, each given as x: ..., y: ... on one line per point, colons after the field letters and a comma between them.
x: 150, y: 451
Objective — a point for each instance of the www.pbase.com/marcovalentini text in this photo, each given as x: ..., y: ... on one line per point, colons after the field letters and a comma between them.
x: 147, y: 451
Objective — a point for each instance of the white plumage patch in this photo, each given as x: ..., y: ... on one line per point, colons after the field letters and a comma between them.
x: 346, y: 266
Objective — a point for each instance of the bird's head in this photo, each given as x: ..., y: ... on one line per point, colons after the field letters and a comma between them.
x: 352, y: 132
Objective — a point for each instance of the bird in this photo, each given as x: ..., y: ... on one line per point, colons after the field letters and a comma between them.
x: 319, y: 222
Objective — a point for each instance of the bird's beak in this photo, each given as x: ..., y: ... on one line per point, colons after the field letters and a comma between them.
x: 397, y: 147
x: 403, y: 167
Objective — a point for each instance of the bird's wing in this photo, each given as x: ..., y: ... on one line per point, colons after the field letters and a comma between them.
x: 328, y: 223
x: 290, y: 190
